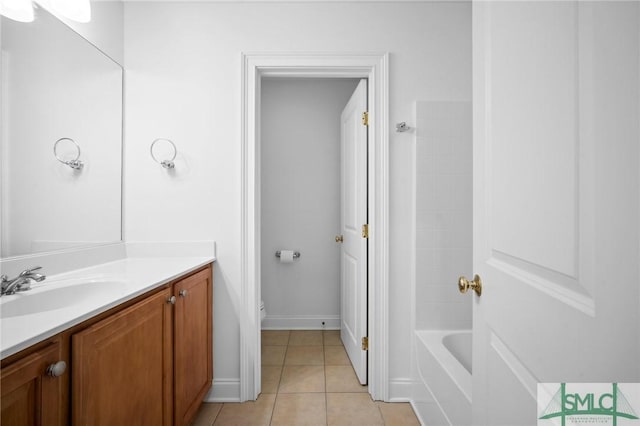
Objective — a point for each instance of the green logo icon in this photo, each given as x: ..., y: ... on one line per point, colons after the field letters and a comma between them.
x: 588, y: 405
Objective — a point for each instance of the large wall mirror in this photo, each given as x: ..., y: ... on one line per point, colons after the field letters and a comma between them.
x: 58, y: 86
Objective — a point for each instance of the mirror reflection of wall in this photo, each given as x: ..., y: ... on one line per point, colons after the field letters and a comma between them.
x: 55, y: 84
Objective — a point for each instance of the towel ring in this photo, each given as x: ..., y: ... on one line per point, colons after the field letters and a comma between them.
x: 167, y: 164
x: 75, y: 164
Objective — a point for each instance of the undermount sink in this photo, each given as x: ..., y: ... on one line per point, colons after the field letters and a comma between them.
x: 52, y: 297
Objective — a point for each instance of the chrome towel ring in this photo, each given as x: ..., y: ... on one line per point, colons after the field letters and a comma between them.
x: 75, y: 164
x: 167, y: 164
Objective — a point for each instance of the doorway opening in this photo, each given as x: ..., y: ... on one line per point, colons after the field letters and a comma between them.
x: 313, y: 185
x: 373, y: 68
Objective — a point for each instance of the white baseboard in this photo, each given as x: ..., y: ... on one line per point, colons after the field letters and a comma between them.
x: 301, y: 322
x: 224, y: 390
x: 400, y: 390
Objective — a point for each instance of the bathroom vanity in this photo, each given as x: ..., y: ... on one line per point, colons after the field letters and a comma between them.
x: 143, y: 358
x: 110, y: 337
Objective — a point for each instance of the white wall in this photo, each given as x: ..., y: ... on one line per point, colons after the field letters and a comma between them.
x: 183, y: 82
x: 300, y: 196
x: 444, y: 202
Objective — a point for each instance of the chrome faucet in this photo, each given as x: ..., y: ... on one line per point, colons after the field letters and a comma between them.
x: 22, y: 282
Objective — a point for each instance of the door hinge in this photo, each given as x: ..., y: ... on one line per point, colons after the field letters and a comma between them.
x: 365, y: 118
x: 365, y: 230
x: 365, y: 343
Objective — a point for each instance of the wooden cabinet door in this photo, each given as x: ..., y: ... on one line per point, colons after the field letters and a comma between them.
x: 29, y: 395
x: 193, y: 343
x: 122, y: 371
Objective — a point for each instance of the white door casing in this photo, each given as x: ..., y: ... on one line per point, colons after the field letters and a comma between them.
x: 556, y: 200
x: 373, y: 67
x: 353, y: 214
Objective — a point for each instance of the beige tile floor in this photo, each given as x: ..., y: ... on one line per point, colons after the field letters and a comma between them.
x: 307, y: 379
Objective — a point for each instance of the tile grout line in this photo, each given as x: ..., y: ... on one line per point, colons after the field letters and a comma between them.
x: 275, y: 399
x: 217, y: 414
x: 273, y: 409
x: 324, y: 370
x: 384, y: 422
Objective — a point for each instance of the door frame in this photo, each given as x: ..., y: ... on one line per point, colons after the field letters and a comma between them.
x: 373, y: 67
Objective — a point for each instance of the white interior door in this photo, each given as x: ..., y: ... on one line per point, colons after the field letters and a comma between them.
x: 353, y: 258
x: 556, y: 190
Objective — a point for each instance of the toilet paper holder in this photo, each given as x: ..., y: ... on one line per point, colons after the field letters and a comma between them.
x: 296, y: 254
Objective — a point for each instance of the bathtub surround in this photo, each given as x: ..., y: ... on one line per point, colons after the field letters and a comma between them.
x: 443, y: 252
x: 443, y: 214
x: 183, y: 81
x: 300, y: 200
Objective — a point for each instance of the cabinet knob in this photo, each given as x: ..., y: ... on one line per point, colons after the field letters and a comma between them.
x: 172, y: 300
x: 57, y: 369
x: 183, y: 293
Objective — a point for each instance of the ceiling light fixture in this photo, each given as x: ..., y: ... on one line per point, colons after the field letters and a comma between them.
x: 18, y: 10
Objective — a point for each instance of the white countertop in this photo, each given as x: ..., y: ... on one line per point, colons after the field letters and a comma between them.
x: 64, y: 300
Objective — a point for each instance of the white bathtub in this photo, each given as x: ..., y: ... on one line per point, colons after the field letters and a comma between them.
x: 442, y: 396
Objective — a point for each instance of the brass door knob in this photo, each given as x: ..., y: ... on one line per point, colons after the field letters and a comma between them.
x: 476, y: 285
x: 339, y: 239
